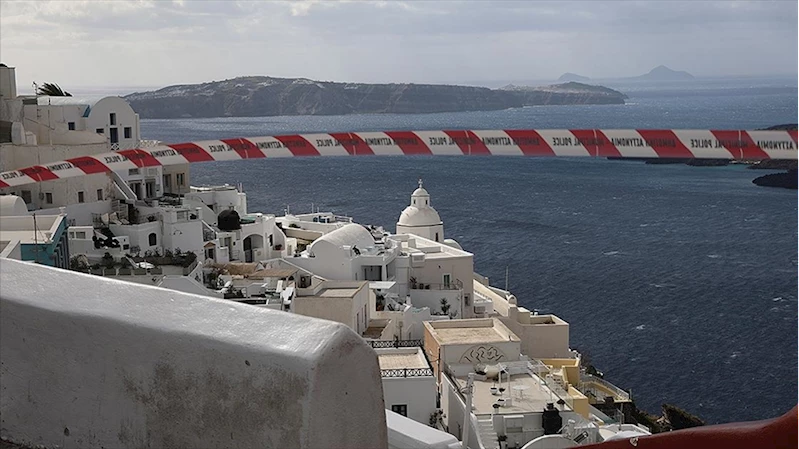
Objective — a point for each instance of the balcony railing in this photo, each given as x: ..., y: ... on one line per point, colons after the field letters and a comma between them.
x: 598, y: 387
x: 406, y: 372
x: 377, y: 344
x: 454, y: 285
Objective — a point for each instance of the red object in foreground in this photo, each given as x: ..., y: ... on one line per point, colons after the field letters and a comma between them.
x: 777, y: 433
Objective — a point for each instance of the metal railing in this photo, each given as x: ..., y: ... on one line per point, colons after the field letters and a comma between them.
x: 454, y: 285
x: 377, y: 344
x: 561, y: 393
x: 585, y: 386
x: 208, y: 232
x: 406, y: 372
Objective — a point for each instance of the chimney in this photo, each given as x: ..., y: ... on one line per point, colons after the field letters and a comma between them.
x: 8, y: 82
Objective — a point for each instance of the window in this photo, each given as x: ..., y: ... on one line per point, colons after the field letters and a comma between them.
x: 100, y: 131
x: 436, y: 236
x: 71, y: 126
x: 167, y: 181
x: 149, y: 189
x: 179, y: 179
x: 447, y: 278
x: 26, y: 196
x: 133, y: 171
x: 48, y: 197
x: 112, y: 119
x: 99, y: 194
x: 402, y: 409
x: 114, y: 135
x: 153, y: 239
x: 128, y: 132
x: 80, y: 235
x: 80, y: 197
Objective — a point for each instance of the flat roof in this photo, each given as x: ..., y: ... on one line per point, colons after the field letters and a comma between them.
x: 338, y: 292
x: 399, y: 358
x: 528, y: 394
x: 21, y: 228
x: 334, y: 289
x: 381, y: 285
x: 471, y: 331
x: 273, y: 273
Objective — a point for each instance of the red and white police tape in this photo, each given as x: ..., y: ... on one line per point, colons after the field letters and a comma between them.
x: 657, y: 143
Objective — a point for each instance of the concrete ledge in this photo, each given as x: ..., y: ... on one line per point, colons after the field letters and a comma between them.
x: 89, y: 362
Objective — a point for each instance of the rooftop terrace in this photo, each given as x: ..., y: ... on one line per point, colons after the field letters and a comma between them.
x: 473, y: 331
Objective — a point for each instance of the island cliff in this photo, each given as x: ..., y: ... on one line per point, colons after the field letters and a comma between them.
x: 266, y: 96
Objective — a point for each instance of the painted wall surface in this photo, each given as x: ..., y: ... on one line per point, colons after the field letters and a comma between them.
x: 459, y: 268
x: 353, y: 312
x: 139, y: 235
x: 539, y: 341
x: 418, y: 393
x: 128, y: 366
x: 63, y: 191
x: 432, y: 299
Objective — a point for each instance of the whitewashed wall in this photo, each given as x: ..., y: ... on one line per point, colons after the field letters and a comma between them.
x: 90, y: 362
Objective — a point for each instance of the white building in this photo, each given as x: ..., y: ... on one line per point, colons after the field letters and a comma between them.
x: 37, y: 238
x: 409, y: 386
x: 340, y: 301
x: 39, y: 130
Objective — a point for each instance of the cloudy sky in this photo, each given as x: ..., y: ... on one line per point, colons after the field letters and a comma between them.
x: 157, y: 43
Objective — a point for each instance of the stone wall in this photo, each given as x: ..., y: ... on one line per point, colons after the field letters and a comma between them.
x: 91, y: 362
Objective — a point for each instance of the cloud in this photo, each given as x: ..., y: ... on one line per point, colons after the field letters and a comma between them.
x: 184, y: 41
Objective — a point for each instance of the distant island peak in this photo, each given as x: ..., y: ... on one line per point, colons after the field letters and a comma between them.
x: 663, y: 73
x: 568, y: 76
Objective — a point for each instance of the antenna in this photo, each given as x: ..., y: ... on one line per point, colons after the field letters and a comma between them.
x: 35, y: 239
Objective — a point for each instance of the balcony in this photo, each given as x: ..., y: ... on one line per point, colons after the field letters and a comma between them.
x: 454, y: 285
x: 597, y: 389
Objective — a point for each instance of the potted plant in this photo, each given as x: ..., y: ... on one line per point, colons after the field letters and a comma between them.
x: 494, y: 390
x: 444, y: 306
x: 503, y: 441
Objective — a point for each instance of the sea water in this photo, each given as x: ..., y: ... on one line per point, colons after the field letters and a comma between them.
x: 678, y: 282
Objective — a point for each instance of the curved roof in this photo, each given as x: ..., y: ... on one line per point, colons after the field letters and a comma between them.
x: 420, y: 192
x: 453, y: 243
x: 348, y: 235
x: 419, y: 216
x: 12, y: 205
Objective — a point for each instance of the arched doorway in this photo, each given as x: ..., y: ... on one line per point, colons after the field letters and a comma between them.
x: 253, y: 246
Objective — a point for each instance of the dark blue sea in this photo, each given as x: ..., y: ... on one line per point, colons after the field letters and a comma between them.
x: 679, y: 282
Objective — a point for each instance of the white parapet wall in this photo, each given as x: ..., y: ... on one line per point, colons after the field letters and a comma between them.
x: 90, y: 362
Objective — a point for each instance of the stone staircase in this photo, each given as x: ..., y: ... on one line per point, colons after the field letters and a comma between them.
x: 487, y: 434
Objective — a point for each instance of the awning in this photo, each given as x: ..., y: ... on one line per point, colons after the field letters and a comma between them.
x: 381, y: 285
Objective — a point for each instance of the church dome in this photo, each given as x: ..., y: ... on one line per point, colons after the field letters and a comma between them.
x: 420, y: 212
x: 414, y: 216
